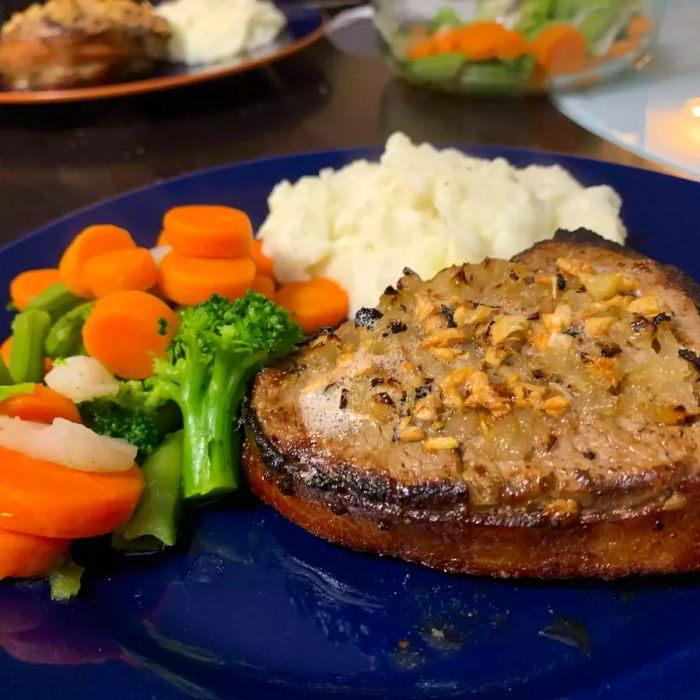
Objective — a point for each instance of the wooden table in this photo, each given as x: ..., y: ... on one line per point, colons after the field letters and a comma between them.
x: 56, y: 158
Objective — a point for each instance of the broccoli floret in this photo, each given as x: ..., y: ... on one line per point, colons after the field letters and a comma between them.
x: 137, y: 414
x: 218, y: 347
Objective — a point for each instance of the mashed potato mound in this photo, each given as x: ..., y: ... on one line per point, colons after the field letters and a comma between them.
x: 422, y: 208
x: 206, y: 31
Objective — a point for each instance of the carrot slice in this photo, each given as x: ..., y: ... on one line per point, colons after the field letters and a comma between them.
x: 187, y: 280
x: 163, y: 239
x: 264, y: 285
x: 24, y: 555
x: 560, y: 48
x: 622, y: 47
x: 31, y: 283
x: 446, y: 41
x: 480, y: 41
x: 209, y: 231
x: 119, y: 270
x: 512, y: 46
x: 127, y: 330
x: 6, y: 349
x: 264, y: 263
x: 48, y: 500
x: 639, y: 26
x: 422, y: 49
x: 42, y: 406
x: 91, y: 242
x: 313, y: 304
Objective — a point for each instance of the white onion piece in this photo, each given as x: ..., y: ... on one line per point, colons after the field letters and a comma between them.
x: 69, y: 444
x: 159, y: 252
x: 82, y: 378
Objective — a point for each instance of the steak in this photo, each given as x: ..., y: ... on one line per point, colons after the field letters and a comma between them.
x: 533, y: 417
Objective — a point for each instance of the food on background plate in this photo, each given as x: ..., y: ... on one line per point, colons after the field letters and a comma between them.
x: 526, y: 418
x: 207, y: 31
x: 72, y: 43
x: 426, y: 209
x: 519, y: 46
x: 121, y: 383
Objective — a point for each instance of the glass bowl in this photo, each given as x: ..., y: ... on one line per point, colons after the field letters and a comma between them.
x: 515, y: 46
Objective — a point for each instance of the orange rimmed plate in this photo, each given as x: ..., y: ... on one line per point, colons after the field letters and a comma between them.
x: 304, y: 27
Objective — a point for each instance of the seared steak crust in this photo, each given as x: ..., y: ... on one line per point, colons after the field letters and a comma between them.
x: 534, y: 418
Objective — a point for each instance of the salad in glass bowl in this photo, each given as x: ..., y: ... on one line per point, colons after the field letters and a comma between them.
x: 515, y: 46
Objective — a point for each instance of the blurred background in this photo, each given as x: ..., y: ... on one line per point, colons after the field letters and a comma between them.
x: 371, y: 71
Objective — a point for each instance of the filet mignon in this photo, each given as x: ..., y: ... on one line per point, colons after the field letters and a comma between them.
x: 527, y: 418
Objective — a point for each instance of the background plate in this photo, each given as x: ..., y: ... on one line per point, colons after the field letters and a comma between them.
x: 250, y: 606
x: 304, y: 26
x: 654, y: 112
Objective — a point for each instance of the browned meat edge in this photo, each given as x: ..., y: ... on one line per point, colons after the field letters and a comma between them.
x: 368, y: 511
x: 664, y: 542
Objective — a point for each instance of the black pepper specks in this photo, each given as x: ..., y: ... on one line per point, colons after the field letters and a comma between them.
x: 639, y: 323
x: 610, y: 349
x: 689, y: 356
x: 367, y: 318
x: 397, y: 326
x: 660, y: 318
x: 449, y: 315
x: 561, y: 282
x: 343, y: 398
x: 424, y: 389
x: 589, y: 454
x: 390, y: 291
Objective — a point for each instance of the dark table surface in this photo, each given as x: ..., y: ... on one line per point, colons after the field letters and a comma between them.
x: 56, y: 158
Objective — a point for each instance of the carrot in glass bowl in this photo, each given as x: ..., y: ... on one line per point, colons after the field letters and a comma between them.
x: 560, y: 48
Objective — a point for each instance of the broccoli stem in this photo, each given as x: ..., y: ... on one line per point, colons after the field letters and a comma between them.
x: 208, y: 466
x: 29, y: 331
x: 157, y: 512
x: 56, y: 300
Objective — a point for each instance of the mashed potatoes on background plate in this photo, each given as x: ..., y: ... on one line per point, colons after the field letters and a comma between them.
x: 426, y: 209
x: 206, y: 31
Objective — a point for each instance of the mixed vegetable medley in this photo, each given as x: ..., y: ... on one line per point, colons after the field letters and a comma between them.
x: 121, y: 383
x: 524, y: 43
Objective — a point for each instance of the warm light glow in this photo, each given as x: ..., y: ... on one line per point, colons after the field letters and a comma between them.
x: 693, y: 106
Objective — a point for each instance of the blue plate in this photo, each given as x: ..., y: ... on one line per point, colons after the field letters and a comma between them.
x: 251, y: 607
